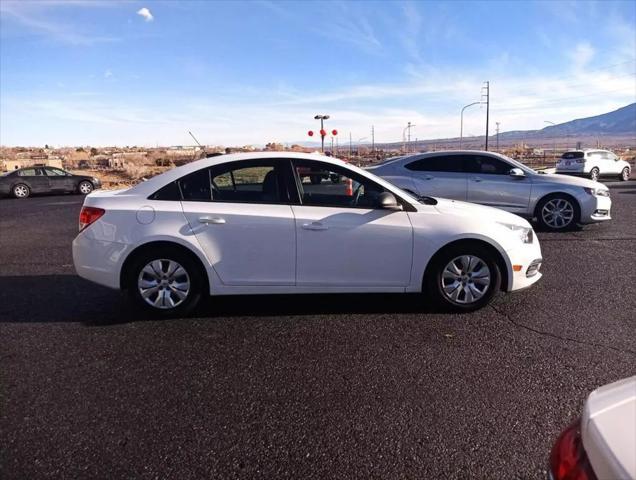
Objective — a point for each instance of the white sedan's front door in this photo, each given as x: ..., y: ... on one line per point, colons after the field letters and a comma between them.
x: 342, y: 240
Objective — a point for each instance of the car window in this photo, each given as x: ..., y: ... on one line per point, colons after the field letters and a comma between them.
x: 54, y: 172
x: 30, y: 172
x: 326, y: 185
x: 240, y: 182
x: 438, y: 163
x: 572, y: 155
x: 486, y: 165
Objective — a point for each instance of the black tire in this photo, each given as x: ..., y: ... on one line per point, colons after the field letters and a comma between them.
x: 315, y: 179
x: 624, y: 176
x: 434, y: 281
x: 85, y: 187
x: 194, y: 275
x: 21, y: 190
x: 594, y: 174
x: 544, y: 223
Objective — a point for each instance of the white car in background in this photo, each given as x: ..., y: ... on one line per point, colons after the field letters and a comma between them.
x: 558, y: 202
x: 256, y: 224
x: 602, y: 444
x: 593, y: 163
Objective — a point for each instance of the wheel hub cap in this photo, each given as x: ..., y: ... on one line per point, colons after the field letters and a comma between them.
x: 163, y: 284
x: 465, y: 279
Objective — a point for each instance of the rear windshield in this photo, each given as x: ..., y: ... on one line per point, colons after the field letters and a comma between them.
x: 571, y: 155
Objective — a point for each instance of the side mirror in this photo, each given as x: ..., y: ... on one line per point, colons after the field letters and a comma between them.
x: 517, y: 173
x: 387, y: 201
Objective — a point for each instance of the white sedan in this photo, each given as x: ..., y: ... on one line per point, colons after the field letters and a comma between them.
x: 257, y: 224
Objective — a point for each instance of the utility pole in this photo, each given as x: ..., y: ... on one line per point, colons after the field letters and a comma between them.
x: 497, y: 135
x: 461, y: 122
x: 407, y: 144
x: 350, y: 146
x: 372, y: 139
x: 487, y: 95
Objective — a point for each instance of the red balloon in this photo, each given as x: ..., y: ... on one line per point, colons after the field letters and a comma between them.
x: 323, y: 133
x: 310, y: 133
x: 334, y: 132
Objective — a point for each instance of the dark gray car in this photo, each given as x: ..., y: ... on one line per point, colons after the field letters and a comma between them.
x: 25, y: 181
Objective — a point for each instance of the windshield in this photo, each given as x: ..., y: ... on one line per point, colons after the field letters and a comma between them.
x: 5, y: 174
x: 518, y: 164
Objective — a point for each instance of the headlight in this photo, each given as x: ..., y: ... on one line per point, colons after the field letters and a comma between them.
x: 597, y: 192
x: 526, y: 235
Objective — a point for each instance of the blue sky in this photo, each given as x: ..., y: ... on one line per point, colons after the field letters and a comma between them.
x: 95, y: 72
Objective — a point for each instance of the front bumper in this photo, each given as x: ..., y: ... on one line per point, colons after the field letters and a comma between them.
x: 595, y: 209
x: 525, y: 266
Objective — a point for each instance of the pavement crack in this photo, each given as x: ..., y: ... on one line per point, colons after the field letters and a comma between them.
x: 559, y: 337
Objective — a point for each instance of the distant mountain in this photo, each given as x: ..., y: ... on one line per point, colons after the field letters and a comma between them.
x: 618, y: 122
x: 619, y: 125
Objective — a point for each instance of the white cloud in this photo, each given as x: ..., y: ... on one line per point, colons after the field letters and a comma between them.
x: 144, y: 12
x: 108, y: 73
x: 582, y: 55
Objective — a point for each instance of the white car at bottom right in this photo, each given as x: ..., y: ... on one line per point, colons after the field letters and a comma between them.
x: 602, y: 444
x: 593, y: 164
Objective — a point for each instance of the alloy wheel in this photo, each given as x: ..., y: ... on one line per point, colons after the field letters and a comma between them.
x: 557, y: 213
x: 625, y: 174
x: 163, y: 284
x: 594, y: 174
x: 21, y: 191
x: 465, y: 279
x: 85, y: 188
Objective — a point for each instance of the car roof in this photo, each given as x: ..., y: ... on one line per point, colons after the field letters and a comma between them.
x: 154, y: 183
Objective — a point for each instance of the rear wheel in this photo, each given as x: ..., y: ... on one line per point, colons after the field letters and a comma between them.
x: 557, y: 213
x: 165, y: 282
x: 625, y: 174
x: 463, y: 277
x: 594, y: 173
x: 85, y: 187
x: 21, y: 191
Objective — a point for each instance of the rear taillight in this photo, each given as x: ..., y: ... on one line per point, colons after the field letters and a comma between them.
x: 568, y: 460
x: 89, y: 215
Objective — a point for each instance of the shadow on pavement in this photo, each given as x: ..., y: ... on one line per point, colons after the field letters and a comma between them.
x: 68, y: 298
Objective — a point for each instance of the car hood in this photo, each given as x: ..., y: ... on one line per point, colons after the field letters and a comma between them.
x: 472, y: 210
x: 565, y: 180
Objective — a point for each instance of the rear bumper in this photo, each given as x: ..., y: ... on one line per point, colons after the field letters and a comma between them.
x: 99, y: 261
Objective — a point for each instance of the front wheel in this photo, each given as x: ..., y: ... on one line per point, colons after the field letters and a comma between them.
x: 594, y: 174
x: 463, y: 278
x: 21, y: 191
x: 85, y: 187
x: 625, y: 174
x: 557, y: 213
x: 165, y: 283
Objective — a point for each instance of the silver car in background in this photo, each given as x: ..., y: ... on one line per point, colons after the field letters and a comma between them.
x: 558, y: 202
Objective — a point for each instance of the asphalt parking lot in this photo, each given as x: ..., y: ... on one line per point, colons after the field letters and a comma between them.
x: 350, y: 386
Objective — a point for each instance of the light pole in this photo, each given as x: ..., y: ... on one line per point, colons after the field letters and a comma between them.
x: 408, y: 127
x: 322, y: 118
x: 461, y: 122
x: 553, y: 143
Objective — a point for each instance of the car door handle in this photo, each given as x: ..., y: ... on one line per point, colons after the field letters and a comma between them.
x: 315, y: 226
x: 212, y: 220
x: 476, y: 179
x: 429, y: 177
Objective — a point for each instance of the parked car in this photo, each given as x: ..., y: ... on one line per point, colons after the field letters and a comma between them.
x: 249, y: 224
x: 23, y: 182
x: 593, y: 164
x: 558, y: 202
x: 602, y: 444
